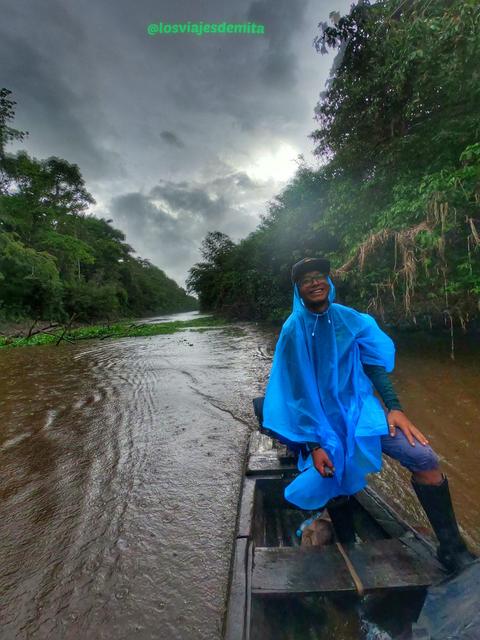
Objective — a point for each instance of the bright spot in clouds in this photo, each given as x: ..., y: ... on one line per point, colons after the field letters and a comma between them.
x: 277, y: 165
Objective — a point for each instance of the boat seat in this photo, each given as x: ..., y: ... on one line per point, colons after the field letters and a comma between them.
x: 381, y: 565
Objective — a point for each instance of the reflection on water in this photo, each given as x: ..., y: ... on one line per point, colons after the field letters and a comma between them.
x: 120, y: 467
x: 174, y: 317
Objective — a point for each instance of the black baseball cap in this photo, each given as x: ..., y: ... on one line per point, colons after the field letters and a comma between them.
x: 310, y: 264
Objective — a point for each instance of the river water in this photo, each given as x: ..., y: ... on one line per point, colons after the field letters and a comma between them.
x: 121, y: 465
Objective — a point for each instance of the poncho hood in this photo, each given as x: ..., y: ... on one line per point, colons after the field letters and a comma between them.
x: 318, y: 392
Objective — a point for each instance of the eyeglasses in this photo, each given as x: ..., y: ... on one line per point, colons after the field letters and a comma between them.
x: 311, y: 279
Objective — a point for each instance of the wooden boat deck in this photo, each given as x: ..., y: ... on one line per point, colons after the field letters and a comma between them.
x: 382, y: 564
x: 270, y: 563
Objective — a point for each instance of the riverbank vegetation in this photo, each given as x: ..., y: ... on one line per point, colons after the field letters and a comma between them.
x: 56, y: 334
x: 58, y: 262
x: 395, y: 204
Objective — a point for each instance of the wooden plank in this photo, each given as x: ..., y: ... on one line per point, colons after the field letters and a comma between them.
x: 383, y: 564
x: 247, y: 505
x: 390, y: 564
x: 248, y: 603
x: 270, y: 464
x: 296, y: 570
x: 237, y: 621
x: 259, y: 443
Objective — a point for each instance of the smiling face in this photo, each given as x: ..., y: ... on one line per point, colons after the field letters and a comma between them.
x: 314, y: 289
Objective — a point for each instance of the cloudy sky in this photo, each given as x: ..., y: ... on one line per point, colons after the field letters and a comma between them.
x: 175, y: 135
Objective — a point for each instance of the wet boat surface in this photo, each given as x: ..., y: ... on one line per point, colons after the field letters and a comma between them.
x: 280, y: 589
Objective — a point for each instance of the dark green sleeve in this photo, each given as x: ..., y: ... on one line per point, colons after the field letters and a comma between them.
x: 383, y: 385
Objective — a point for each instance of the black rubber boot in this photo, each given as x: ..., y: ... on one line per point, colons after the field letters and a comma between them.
x: 341, y: 515
x: 437, y: 503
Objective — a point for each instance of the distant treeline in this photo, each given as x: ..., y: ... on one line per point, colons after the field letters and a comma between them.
x: 395, y: 204
x: 56, y: 262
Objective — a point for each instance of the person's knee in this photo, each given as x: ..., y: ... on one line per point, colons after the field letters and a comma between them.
x: 417, y: 458
x: 423, y: 459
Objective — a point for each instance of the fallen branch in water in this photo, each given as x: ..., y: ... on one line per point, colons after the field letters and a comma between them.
x: 44, y: 330
x: 30, y: 333
x: 66, y: 328
x: 31, y: 329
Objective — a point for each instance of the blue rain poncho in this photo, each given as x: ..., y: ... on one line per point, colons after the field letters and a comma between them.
x: 318, y: 392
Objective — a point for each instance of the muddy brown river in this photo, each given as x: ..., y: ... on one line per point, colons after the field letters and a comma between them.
x: 121, y: 463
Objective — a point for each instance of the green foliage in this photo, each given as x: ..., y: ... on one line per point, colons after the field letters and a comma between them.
x: 90, y: 301
x: 7, y: 114
x: 29, y: 282
x: 121, y: 330
x: 55, y: 260
x: 395, y: 204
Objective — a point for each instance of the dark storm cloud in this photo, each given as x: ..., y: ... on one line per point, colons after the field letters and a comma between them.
x: 160, y: 233
x: 142, y: 217
x: 188, y: 198
x: 94, y: 88
x: 239, y: 180
x: 172, y: 219
x: 172, y: 139
x: 60, y: 114
x: 284, y: 19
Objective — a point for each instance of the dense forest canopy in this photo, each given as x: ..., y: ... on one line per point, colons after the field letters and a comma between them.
x: 395, y: 204
x: 55, y: 260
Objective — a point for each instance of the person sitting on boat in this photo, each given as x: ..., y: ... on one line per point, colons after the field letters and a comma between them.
x: 320, y: 392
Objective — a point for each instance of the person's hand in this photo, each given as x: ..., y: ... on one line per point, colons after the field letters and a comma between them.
x: 322, y: 463
x: 398, y: 419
